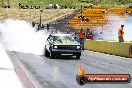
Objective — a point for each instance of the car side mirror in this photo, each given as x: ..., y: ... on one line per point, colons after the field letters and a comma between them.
x: 50, y: 39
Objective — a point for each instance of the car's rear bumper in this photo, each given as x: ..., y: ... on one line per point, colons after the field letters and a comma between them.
x: 66, y: 51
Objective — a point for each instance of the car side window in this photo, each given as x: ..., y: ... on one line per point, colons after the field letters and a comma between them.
x: 55, y: 38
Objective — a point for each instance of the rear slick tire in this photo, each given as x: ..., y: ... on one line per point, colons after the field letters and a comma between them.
x: 46, y: 53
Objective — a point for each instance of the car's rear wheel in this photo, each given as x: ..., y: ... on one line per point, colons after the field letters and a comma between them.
x: 46, y: 53
x: 78, y: 55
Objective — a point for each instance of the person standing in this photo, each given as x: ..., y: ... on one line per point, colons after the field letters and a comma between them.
x: 67, y: 32
x: 33, y: 24
x: 42, y: 26
x: 75, y: 35
x: 120, y: 33
x: 39, y: 27
x: 81, y: 35
x: 89, y: 35
x: 48, y: 25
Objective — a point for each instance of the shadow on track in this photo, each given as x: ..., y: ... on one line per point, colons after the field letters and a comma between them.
x: 64, y: 57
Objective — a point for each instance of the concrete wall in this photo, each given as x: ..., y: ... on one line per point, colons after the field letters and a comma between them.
x: 110, y: 47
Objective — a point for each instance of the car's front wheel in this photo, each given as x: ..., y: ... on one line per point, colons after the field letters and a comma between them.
x: 51, y: 55
x: 78, y: 55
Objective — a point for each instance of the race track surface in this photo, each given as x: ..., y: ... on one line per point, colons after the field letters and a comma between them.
x: 61, y: 72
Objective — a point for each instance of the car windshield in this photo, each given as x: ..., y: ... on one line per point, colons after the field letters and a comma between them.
x: 56, y: 38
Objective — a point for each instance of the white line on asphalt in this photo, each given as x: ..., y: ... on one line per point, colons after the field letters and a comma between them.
x: 29, y: 75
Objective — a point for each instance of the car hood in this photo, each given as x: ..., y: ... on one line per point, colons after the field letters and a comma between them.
x: 66, y: 42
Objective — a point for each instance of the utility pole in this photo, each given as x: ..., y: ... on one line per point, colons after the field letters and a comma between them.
x: 40, y: 23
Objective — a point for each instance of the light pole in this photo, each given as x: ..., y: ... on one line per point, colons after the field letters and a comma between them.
x: 41, y: 10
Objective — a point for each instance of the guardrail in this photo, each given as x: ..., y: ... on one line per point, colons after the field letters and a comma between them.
x: 110, y: 47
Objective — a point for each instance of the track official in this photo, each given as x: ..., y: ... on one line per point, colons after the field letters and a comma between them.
x: 81, y: 35
x: 120, y: 34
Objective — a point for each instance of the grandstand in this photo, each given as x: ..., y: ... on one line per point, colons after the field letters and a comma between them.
x: 97, y: 17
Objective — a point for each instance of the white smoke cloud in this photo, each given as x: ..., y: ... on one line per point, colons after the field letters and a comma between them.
x: 19, y: 35
x: 128, y: 29
x: 111, y: 33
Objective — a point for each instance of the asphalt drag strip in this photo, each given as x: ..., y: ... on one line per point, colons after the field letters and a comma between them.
x: 61, y: 72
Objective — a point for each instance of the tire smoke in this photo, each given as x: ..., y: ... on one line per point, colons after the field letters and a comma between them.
x: 111, y: 33
x: 20, y: 36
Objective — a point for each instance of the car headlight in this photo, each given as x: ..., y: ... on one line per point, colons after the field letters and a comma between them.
x: 55, y: 47
x: 78, y: 47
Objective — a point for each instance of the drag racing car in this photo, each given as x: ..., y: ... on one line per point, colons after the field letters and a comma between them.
x: 62, y: 44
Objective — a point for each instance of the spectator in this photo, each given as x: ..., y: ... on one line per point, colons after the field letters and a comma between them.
x: 39, y: 27
x: 72, y: 36
x: 42, y: 26
x: 95, y: 35
x: 26, y: 6
x: 39, y: 7
x: 89, y: 35
x: 67, y: 32
x: 33, y: 24
x: 82, y: 17
x: 81, y: 6
x: 34, y: 7
x: 103, y: 11
x: 85, y: 6
x: 70, y: 7
x: 48, y: 25
x: 75, y: 35
x: 88, y: 30
x: 31, y: 7
x: 74, y: 7
x: 87, y: 20
x: 65, y: 7
x: 62, y: 7
x: 91, y: 6
x: 126, y: 11
x: 49, y: 6
x: 20, y: 5
x: 55, y: 7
